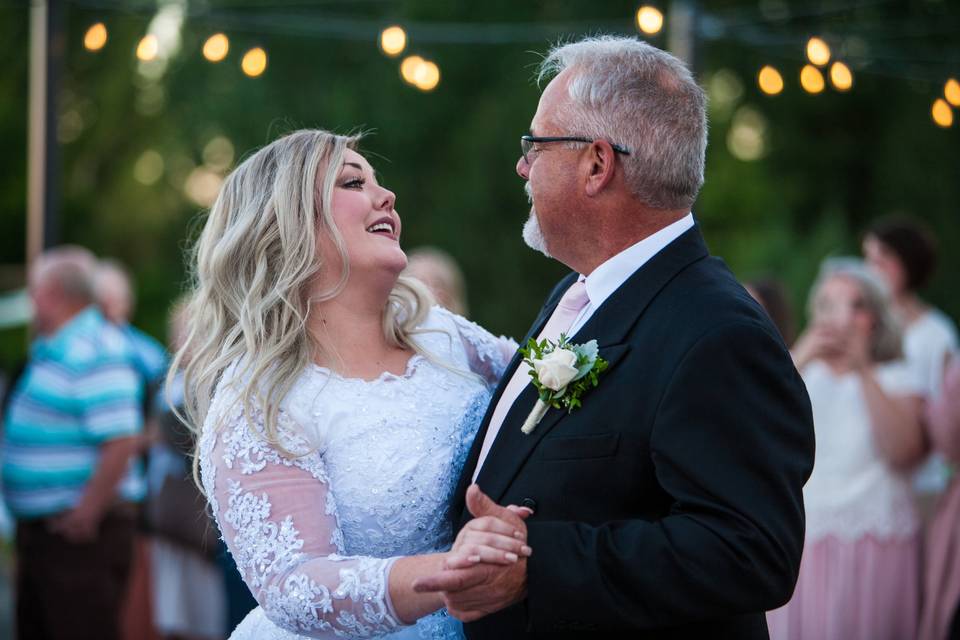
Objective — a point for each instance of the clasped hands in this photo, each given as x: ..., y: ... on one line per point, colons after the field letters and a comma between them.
x: 486, y: 570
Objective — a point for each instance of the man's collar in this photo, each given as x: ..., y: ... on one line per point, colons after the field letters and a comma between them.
x: 608, y: 277
x: 89, y: 316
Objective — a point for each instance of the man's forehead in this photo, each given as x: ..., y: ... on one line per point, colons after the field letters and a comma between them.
x: 553, y: 95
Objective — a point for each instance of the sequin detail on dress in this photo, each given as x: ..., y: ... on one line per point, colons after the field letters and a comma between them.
x: 367, y: 472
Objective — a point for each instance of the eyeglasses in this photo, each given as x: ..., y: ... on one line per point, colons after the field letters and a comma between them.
x: 529, y: 151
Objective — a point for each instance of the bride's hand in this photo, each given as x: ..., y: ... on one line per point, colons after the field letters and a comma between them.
x: 494, y: 539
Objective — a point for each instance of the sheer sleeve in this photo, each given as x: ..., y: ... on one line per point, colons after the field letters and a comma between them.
x: 279, y: 520
x: 487, y: 355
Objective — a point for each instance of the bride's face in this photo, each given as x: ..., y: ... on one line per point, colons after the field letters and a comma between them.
x: 364, y: 213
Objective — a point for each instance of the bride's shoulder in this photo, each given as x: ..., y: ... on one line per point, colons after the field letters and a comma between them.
x: 454, y: 325
x: 439, y: 333
x: 235, y: 408
x: 440, y: 319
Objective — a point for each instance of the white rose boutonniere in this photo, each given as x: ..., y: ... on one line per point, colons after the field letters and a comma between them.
x: 556, y: 370
x: 562, y: 372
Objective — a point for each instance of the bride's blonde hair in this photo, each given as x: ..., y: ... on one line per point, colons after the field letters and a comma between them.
x: 252, y: 269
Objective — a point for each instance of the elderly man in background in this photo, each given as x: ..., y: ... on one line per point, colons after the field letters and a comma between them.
x: 114, y: 294
x: 71, y: 429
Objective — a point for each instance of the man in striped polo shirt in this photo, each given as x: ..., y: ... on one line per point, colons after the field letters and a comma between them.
x: 71, y: 431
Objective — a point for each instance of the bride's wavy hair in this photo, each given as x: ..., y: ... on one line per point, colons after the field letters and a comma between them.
x: 251, y: 272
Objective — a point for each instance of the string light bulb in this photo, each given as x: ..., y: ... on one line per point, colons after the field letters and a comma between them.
x: 951, y: 91
x: 840, y: 76
x: 770, y: 81
x: 942, y: 113
x: 818, y: 51
x: 95, y: 37
x: 811, y: 79
x: 393, y: 40
x: 408, y: 68
x: 649, y: 20
x: 423, y: 74
x: 216, y: 47
x: 427, y: 76
x: 148, y: 48
x: 254, y: 62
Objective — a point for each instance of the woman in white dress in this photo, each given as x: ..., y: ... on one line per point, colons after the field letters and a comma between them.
x: 903, y: 252
x: 860, y: 574
x: 337, y: 405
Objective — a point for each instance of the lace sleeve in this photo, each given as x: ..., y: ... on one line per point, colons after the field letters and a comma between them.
x: 487, y: 354
x: 279, y: 519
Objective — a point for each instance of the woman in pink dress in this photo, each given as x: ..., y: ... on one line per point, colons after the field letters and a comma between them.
x: 941, y: 579
x: 903, y: 252
x: 859, y: 578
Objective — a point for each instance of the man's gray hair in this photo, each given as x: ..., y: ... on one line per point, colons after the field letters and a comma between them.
x: 887, y: 340
x: 631, y: 93
x: 71, y: 268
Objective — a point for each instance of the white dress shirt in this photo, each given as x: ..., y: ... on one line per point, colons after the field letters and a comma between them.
x: 610, y: 275
x: 601, y: 284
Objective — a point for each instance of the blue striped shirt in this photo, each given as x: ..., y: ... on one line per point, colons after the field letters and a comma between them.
x: 78, y: 391
x: 149, y: 356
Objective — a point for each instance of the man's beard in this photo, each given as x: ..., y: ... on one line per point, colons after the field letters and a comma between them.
x: 532, y: 234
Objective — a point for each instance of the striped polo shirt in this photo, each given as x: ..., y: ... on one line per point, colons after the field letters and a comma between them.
x: 79, y: 389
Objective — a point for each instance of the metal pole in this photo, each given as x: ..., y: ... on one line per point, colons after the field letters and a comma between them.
x: 47, y: 45
x: 682, y: 32
x: 36, y: 136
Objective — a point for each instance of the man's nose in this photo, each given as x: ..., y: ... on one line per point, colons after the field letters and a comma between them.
x: 523, y: 168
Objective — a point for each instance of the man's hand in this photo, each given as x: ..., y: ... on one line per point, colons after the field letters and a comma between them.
x: 471, y: 592
x: 856, y: 350
x: 496, y: 535
x: 817, y: 342
x: 79, y: 525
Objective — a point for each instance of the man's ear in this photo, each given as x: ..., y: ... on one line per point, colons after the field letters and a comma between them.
x: 601, y: 165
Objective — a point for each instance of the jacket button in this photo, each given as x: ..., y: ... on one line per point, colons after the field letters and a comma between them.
x: 529, y: 503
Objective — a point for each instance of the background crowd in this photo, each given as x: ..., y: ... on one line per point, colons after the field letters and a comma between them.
x: 112, y: 493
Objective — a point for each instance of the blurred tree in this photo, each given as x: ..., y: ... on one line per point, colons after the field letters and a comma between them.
x: 790, y: 178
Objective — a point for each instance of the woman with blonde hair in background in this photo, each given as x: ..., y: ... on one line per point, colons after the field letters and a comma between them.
x: 860, y: 574
x: 337, y: 405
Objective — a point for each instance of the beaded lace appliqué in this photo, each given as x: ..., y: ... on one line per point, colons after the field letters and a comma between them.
x: 392, y: 453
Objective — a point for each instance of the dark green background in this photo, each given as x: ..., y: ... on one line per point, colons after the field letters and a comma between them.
x: 834, y: 162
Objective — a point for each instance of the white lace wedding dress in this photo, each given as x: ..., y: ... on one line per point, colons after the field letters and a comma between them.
x: 364, y: 474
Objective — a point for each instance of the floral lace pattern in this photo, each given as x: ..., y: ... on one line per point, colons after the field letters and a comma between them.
x: 364, y: 473
x: 853, y: 492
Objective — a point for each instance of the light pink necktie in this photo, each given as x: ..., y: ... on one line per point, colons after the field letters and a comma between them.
x: 569, y: 307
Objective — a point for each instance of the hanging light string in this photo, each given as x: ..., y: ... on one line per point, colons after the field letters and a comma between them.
x: 775, y: 30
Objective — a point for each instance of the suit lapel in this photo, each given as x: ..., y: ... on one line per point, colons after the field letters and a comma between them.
x: 609, y: 325
x: 535, y: 329
x: 512, y: 447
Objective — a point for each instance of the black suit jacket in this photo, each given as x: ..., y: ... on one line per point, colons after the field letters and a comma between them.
x: 670, y: 504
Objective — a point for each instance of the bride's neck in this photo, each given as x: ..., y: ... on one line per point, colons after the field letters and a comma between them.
x: 350, y: 325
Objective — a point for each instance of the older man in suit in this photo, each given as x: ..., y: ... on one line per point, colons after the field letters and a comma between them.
x: 670, y: 504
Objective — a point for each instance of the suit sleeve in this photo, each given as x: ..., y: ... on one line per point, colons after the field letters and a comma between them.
x: 732, y: 445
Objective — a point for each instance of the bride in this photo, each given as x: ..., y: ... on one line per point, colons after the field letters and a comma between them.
x: 336, y: 405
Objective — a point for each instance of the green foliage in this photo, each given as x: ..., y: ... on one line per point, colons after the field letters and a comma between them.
x: 832, y: 162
